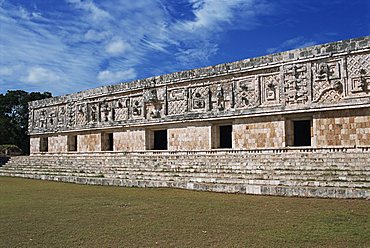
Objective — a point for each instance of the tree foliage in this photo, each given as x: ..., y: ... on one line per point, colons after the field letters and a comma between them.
x: 14, y: 117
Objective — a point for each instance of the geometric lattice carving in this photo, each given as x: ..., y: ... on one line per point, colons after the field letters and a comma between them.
x: 296, y: 84
x: 247, y: 93
x: 121, y: 109
x: 177, y: 101
x: 81, y: 118
x: 358, y: 67
x: 327, y: 78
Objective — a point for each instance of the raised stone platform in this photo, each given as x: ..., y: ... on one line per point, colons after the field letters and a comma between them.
x: 304, y: 172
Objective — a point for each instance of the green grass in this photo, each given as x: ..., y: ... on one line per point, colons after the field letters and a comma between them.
x: 49, y: 214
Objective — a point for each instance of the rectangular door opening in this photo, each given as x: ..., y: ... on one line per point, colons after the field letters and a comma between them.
x: 44, y: 146
x: 72, y: 143
x: 107, y: 142
x: 160, y: 140
x: 302, y: 133
x: 225, y: 134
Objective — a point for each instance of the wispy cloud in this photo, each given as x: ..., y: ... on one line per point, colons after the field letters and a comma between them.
x: 84, y: 44
x: 293, y: 43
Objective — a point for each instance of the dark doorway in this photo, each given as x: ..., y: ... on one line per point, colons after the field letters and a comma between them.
x: 44, y: 146
x: 110, y: 142
x: 160, y: 140
x: 302, y: 133
x: 226, y: 136
x: 72, y: 143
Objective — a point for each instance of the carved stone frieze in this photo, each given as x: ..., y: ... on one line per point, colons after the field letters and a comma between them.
x: 81, y: 114
x: 199, y: 99
x: 296, y: 84
x: 121, y: 109
x: 155, y: 103
x: 106, y: 111
x: 270, y: 89
x: 62, y: 115
x: 328, y: 83
x: 221, y: 96
x: 247, y: 93
x: 177, y: 101
x: 358, y: 67
x: 137, y: 107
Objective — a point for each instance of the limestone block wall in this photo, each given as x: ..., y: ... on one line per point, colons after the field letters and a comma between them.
x: 260, y: 132
x: 129, y: 140
x: 89, y: 142
x: 191, y: 137
x: 342, y: 128
x: 57, y: 144
x: 34, y: 145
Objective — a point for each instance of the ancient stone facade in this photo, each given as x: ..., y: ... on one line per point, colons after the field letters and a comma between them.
x: 316, y: 97
x: 296, y: 123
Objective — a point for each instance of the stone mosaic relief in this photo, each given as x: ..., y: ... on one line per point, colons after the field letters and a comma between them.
x: 177, y: 101
x: 270, y: 89
x: 358, y: 67
x: 199, y: 99
x: 137, y: 107
x: 318, y: 82
x: 328, y: 84
x: 247, y: 93
x: 121, y: 109
x: 296, y: 84
x: 221, y: 96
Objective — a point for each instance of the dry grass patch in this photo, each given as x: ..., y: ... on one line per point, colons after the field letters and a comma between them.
x: 49, y: 214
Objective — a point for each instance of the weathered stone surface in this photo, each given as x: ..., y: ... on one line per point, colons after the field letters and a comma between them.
x: 334, y: 75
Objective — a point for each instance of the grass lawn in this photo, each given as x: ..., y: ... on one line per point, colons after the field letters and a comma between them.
x: 49, y: 214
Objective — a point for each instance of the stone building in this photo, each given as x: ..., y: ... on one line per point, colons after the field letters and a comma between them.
x: 313, y: 100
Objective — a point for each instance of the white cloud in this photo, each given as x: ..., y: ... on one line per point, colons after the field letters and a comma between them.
x: 41, y: 75
x: 116, y: 76
x: 116, y: 47
x: 95, y: 13
x: 293, y: 43
x: 94, y: 35
x: 86, y: 40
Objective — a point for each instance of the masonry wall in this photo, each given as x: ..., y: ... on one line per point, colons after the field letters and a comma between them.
x: 34, y: 145
x: 129, y: 140
x: 57, y: 144
x: 342, y: 128
x: 260, y: 132
x: 192, y: 137
x: 89, y: 142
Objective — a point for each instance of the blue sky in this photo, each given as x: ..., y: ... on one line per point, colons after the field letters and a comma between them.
x: 64, y: 46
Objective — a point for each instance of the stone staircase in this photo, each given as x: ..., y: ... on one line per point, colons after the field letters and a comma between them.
x: 338, y: 174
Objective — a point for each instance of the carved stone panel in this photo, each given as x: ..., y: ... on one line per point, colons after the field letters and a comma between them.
x: 71, y: 114
x: 199, y: 99
x: 328, y: 82
x: 358, y: 67
x: 52, y: 120
x: 296, y: 84
x: 155, y: 103
x: 106, y: 111
x: 121, y: 109
x: 62, y: 115
x: 93, y: 112
x: 221, y: 96
x: 137, y: 107
x: 177, y: 101
x: 81, y: 115
x: 247, y: 92
x: 270, y: 89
